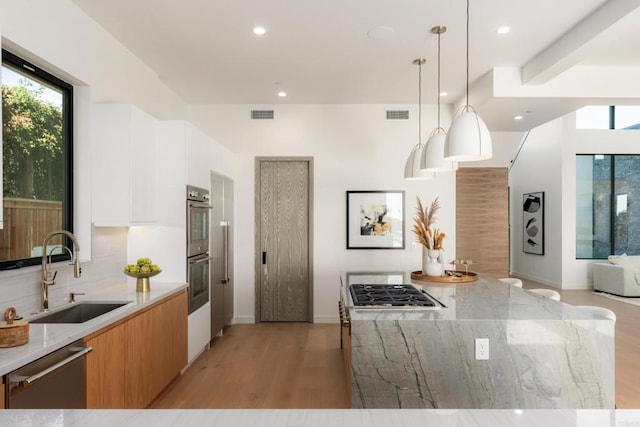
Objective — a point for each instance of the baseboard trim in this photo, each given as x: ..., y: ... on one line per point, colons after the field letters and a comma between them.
x: 243, y: 320
x: 333, y: 318
x: 561, y: 286
x: 327, y: 318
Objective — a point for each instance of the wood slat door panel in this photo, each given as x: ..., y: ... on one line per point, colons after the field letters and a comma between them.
x: 482, y: 219
x: 284, y: 237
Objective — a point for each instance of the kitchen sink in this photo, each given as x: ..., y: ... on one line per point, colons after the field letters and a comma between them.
x: 79, y: 312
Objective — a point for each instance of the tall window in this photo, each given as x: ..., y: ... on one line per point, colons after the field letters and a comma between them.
x: 608, y: 209
x: 37, y: 161
x: 608, y: 117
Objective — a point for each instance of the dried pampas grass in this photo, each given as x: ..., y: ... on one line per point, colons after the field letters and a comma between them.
x: 428, y: 236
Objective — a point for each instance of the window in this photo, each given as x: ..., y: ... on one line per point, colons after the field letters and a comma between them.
x: 37, y: 159
x: 608, y: 117
x: 607, y: 209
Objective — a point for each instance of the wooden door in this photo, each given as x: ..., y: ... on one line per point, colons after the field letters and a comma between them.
x: 283, y: 227
x: 482, y: 219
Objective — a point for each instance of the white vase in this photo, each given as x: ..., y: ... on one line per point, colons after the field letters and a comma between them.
x: 430, y: 264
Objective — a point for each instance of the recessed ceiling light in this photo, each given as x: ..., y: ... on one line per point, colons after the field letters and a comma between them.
x: 444, y: 93
x: 503, y: 30
x: 517, y: 118
x: 380, y: 32
x: 259, y: 31
x: 282, y: 94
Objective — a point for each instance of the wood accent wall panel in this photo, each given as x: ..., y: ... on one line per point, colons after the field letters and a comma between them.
x: 482, y: 219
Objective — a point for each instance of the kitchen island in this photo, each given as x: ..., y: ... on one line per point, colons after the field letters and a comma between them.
x: 543, y: 354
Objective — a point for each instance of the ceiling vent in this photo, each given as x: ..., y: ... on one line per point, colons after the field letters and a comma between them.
x: 261, y: 114
x: 397, y: 114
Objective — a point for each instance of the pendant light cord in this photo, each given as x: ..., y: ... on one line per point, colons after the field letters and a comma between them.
x: 438, y: 94
x: 420, y: 102
x: 467, y: 52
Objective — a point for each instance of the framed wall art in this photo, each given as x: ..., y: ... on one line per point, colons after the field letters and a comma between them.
x: 375, y: 219
x: 533, y: 223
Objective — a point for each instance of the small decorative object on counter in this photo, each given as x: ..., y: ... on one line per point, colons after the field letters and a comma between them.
x: 13, y: 332
x: 431, y: 266
x: 430, y: 237
x: 466, y: 263
x: 142, y: 270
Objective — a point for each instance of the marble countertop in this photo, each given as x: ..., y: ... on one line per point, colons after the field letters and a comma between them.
x: 322, y: 418
x: 45, y: 338
x: 485, y: 299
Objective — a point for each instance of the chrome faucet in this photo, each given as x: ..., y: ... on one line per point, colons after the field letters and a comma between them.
x: 48, y: 278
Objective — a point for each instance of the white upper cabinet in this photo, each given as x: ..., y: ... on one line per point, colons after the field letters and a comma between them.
x: 199, y: 157
x: 124, y: 166
x: 172, y: 180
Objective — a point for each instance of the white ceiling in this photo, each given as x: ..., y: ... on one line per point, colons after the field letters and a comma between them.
x: 319, y: 51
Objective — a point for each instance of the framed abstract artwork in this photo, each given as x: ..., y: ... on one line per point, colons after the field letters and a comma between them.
x: 533, y: 223
x: 375, y: 219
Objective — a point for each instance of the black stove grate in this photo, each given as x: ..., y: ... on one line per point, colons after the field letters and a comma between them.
x: 389, y: 295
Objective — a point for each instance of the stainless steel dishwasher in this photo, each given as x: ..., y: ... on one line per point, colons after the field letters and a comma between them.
x: 55, y: 381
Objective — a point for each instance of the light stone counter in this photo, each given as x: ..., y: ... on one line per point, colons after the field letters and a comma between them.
x: 321, y: 418
x: 45, y: 338
x: 543, y: 353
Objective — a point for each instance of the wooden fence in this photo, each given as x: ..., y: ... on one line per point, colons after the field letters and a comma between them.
x: 26, y: 223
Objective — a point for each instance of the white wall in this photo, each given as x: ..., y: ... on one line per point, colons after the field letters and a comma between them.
x: 354, y: 148
x: 538, y: 167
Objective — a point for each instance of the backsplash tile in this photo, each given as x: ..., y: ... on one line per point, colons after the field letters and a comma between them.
x: 21, y: 288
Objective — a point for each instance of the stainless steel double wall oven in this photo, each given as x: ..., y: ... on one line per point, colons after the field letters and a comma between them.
x: 198, y: 258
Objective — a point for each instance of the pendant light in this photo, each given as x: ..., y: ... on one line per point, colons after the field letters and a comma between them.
x: 468, y: 138
x: 412, y: 166
x: 432, y: 159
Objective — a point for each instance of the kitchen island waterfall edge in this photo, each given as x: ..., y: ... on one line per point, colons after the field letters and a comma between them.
x: 543, y: 353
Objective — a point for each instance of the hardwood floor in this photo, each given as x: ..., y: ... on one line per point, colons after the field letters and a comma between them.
x: 266, y: 365
x: 299, y: 365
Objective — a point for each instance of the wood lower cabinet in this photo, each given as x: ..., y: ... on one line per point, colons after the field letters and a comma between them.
x: 105, y: 369
x: 134, y: 360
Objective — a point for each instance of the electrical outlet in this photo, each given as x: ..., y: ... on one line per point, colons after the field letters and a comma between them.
x: 482, y: 348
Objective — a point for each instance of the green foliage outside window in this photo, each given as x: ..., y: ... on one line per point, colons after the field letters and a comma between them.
x: 32, y: 155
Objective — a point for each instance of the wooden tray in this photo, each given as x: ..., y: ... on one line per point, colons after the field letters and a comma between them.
x: 466, y: 277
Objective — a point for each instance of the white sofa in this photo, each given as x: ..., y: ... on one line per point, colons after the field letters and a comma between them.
x: 619, y: 276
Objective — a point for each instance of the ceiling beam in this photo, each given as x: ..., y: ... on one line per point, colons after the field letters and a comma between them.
x: 574, y: 45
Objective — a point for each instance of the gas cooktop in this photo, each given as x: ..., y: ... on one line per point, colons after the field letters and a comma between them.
x: 403, y: 295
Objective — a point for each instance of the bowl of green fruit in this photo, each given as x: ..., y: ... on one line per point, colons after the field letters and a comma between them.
x: 142, y: 270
